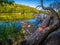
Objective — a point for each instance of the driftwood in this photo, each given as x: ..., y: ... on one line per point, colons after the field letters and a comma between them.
x: 38, y: 37
x: 28, y: 29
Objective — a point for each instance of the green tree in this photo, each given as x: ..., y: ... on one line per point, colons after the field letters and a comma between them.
x: 5, y: 1
x: 1, y: 1
x: 11, y: 2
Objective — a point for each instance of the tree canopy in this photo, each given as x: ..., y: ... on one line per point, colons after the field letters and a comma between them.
x: 6, y: 1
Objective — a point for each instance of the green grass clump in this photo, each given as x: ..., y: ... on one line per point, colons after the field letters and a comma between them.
x: 9, y: 34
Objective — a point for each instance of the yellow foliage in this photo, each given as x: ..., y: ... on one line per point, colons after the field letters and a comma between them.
x: 14, y: 16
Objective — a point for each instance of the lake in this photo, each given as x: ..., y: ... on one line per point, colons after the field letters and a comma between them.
x: 17, y: 25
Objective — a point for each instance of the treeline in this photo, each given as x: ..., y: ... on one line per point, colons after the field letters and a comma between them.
x: 16, y: 8
x: 7, y: 1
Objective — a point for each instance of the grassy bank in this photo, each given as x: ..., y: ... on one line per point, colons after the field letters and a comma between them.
x: 15, y: 16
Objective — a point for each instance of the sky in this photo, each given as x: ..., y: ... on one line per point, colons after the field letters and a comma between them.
x: 33, y: 3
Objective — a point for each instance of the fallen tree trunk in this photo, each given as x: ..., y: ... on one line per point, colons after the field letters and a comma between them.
x: 38, y: 36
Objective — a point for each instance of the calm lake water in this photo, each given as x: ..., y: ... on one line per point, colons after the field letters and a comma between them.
x: 16, y: 24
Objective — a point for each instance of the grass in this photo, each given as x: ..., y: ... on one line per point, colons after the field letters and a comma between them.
x: 9, y: 33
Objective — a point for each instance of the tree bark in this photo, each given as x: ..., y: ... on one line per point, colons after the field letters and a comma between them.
x: 54, y: 14
x: 38, y: 36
